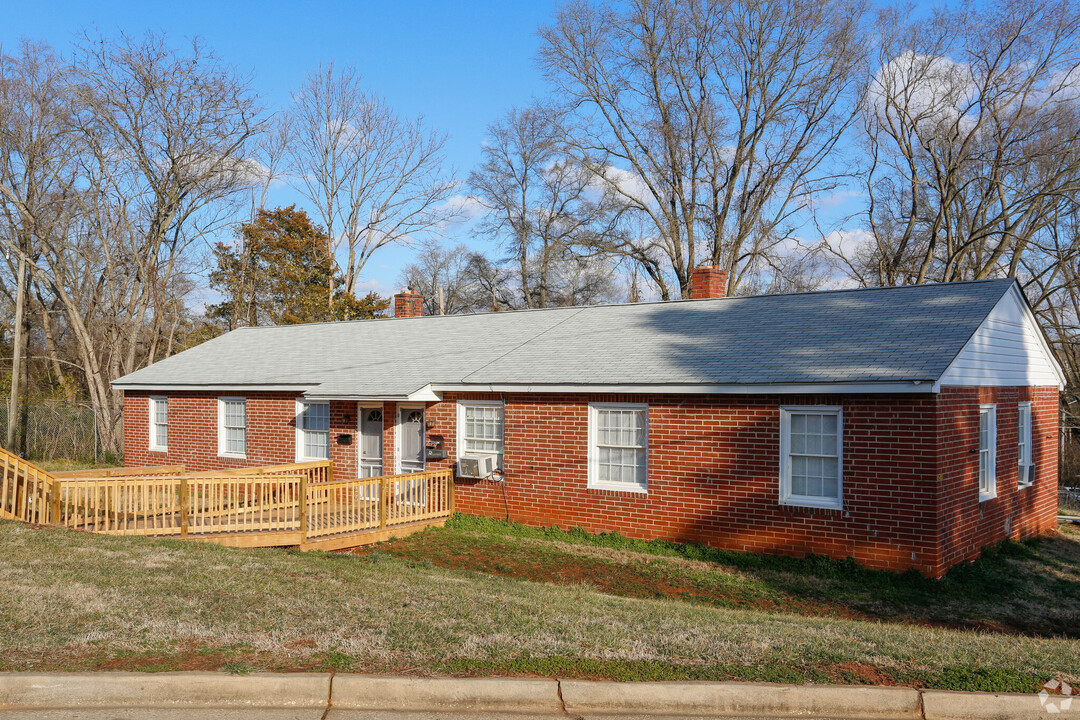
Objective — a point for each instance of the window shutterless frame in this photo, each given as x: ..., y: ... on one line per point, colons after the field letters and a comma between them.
x: 228, y: 421
x: 640, y: 451
x: 987, y: 452
x: 159, y: 423
x: 1025, y: 472
x: 463, y: 438
x: 826, y: 456
x: 301, y: 430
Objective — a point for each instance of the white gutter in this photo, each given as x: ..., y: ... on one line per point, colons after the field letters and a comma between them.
x: 434, y: 392
x: 215, y: 388
x: 915, y: 386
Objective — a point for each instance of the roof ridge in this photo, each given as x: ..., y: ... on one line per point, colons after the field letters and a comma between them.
x: 760, y: 296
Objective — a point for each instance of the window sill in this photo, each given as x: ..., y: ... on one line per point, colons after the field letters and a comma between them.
x: 1024, y: 486
x: 983, y: 497
x: 234, y: 456
x: 159, y: 449
x: 633, y: 489
x: 813, y: 503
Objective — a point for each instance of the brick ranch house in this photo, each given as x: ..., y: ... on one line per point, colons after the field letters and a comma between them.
x: 905, y: 427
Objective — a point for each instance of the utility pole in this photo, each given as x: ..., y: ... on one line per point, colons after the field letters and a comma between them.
x: 16, y: 355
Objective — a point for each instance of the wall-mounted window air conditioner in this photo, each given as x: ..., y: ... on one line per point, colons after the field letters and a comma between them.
x: 475, y: 466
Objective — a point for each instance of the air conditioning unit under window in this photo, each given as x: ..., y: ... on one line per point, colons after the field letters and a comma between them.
x: 475, y: 466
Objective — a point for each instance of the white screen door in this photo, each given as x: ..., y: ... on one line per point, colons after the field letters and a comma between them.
x: 371, y: 442
x: 411, y: 429
x: 412, y: 456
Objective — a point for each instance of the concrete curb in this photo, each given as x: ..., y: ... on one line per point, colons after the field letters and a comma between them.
x: 943, y: 705
x: 714, y: 699
x: 372, y: 692
x: 163, y: 690
x: 526, y: 696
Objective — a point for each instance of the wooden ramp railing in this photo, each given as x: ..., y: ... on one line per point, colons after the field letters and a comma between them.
x: 24, y: 490
x: 343, y: 506
x: 293, y: 504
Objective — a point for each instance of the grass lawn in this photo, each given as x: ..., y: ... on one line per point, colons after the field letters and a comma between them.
x: 481, y: 597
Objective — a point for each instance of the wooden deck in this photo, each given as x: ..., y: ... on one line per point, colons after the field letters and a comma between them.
x: 282, y: 505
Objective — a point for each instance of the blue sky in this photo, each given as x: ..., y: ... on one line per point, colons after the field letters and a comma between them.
x: 460, y: 64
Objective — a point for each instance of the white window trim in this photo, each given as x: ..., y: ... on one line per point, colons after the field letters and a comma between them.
x: 786, y: 498
x: 594, y: 456
x: 300, y: 457
x: 152, y: 402
x: 1022, y: 468
x: 991, y: 469
x: 222, y: 452
x: 460, y: 441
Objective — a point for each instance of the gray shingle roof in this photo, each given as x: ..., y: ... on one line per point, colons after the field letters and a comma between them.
x: 885, y: 335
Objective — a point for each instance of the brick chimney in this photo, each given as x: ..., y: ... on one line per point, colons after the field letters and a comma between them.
x: 708, y: 281
x: 408, y: 303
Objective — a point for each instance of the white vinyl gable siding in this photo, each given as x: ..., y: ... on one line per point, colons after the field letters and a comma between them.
x: 159, y: 424
x: 312, y: 431
x: 1007, y: 350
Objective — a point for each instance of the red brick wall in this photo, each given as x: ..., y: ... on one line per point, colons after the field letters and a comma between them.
x: 713, y: 468
x: 713, y: 476
x: 193, y: 432
x: 968, y: 525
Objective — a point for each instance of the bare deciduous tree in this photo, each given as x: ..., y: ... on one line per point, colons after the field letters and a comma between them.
x: 36, y: 161
x: 146, y: 151
x: 972, y: 126
x: 713, y: 120
x: 545, y: 209
x: 442, y: 275
x: 375, y: 177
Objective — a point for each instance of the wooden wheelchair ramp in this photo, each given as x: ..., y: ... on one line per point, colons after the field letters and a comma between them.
x: 273, y: 506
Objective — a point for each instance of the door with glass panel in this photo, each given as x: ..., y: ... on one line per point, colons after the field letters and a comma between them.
x: 411, y: 454
x: 371, y: 442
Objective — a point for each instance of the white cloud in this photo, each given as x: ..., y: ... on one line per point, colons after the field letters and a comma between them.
x: 468, y: 206
x: 925, y: 90
x: 628, y: 183
x: 849, y: 243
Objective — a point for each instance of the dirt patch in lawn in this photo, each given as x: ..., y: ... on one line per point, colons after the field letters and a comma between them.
x: 636, y: 575
x: 627, y: 575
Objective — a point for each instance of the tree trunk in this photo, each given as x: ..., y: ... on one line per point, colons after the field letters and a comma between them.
x: 16, y: 356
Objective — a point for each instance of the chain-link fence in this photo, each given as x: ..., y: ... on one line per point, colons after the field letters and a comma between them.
x: 1069, y: 500
x: 60, y: 431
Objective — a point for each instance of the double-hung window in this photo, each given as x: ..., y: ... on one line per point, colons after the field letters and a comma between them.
x: 811, y: 456
x: 159, y: 424
x: 312, y: 431
x: 618, y: 447
x: 987, y: 452
x: 232, y: 427
x: 480, y: 429
x: 1026, y: 470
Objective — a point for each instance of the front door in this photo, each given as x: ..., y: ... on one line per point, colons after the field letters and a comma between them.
x: 411, y: 445
x: 371, y: 442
